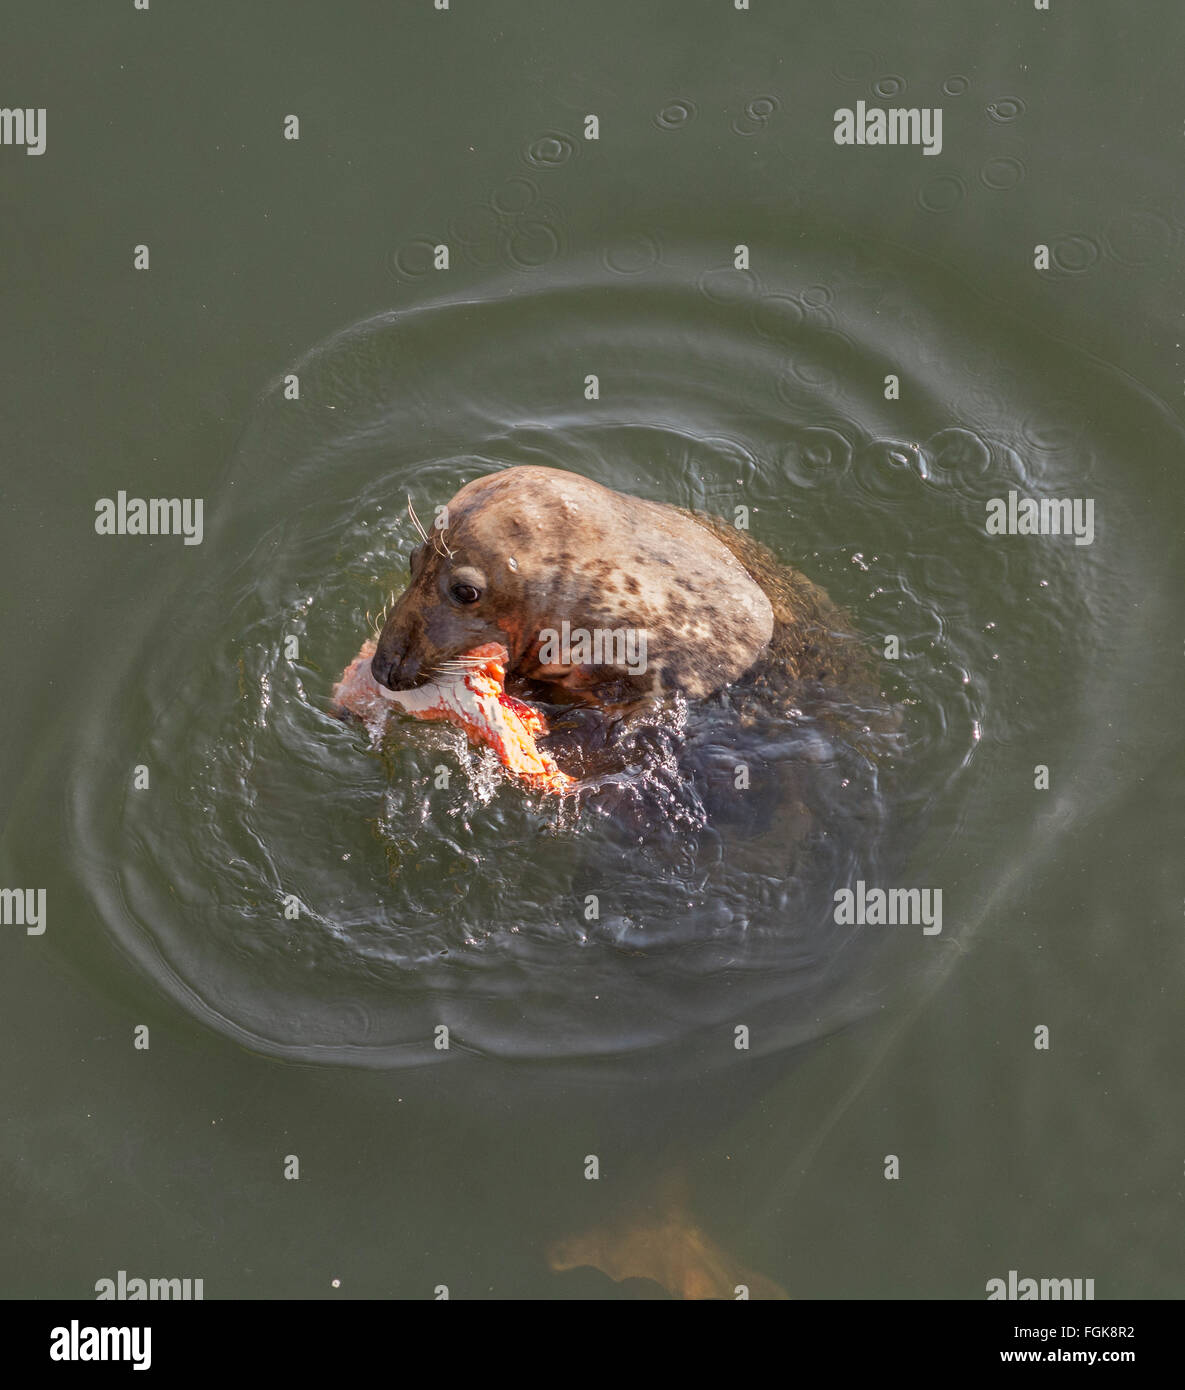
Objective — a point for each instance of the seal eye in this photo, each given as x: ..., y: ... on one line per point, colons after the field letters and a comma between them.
x: 465, y: 593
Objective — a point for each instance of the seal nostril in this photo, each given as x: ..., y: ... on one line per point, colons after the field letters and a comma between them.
x: 395, y: 672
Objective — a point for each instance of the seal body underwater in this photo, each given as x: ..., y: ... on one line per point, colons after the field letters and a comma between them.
x: 531, y: 552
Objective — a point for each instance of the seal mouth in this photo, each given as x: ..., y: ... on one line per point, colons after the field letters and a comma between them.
x: 395, y: 682
x: 454, y: 666
x: 397, y: 678
x: 448, y: 671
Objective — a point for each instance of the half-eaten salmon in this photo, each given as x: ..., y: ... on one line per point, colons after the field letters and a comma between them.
x: 472, y: 696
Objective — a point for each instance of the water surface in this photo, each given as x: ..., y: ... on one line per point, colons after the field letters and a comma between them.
x: 420, y: 906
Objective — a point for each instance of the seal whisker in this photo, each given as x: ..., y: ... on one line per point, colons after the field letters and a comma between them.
x: 453, y: 668
x: 415, y: 520
x: 439, y: 544
x: 440, y: 537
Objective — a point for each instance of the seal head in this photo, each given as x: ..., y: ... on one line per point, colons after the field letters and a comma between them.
x: 599, y: 597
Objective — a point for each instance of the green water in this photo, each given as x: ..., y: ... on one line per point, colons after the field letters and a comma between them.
x: 719, y: 386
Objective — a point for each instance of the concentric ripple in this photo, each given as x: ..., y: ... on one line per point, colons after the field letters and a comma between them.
x: 320, y: 899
